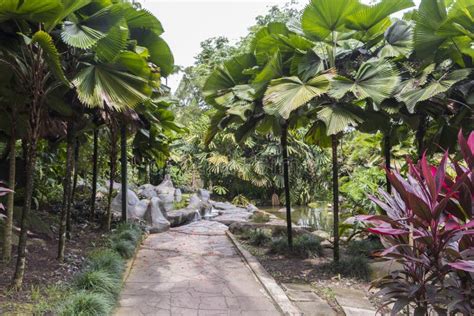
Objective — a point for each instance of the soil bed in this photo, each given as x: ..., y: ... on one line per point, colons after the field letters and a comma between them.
x: 43, y: 271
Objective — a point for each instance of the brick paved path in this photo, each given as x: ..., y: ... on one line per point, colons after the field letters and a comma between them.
x: 192, y: 270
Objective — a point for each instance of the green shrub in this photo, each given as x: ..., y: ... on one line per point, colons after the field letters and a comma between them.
x: 352, y: 267
x: 129, y: 235
x: 86, y: 304
x: 124, y: 247
x: 129, y: 226
x: 107, y: 260
x: 364, y: 247
x: 260, y: 217
x: 98, y: 281
x: 304, y: 246
x: 258, y: 238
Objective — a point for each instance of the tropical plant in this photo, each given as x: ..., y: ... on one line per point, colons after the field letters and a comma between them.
x: 428, y: 230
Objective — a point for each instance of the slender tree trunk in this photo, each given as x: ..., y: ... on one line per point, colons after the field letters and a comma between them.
x: 29, y: 185
x: 7, y: 245
x: 77, y: 148
x: 66, y: 205
x: 335, y: 196
x: 123, y: 164
x: 95, y: 158
x: 286, y: 180
x: 387, y: 148
x: 420, y: 134
x: 113, y: 163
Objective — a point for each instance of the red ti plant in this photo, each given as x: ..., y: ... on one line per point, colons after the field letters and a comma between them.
x: 429, y: 230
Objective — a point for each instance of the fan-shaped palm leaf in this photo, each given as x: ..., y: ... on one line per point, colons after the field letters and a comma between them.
x: 375, y: 79
x: 321, y: 17
x: 85, y: 32
x: 97, y: 85
x: 287, y: 94
x: 368, y: 16
x: 337, y: 118
x: 432, y: 89
x: 398, y: 40
x: 160, y: 53
x: 430, y: 16
x: 109, y: 47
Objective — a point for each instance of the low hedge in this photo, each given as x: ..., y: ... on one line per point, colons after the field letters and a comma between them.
x: 96, y: 288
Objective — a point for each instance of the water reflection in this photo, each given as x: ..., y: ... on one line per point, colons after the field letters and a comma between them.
x: 317, y: 217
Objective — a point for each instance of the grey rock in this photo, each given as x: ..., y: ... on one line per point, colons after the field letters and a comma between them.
x: 321, y: 234
x: 147, y: 191
x: 132, y: 201
x: 222, y: 205
x: 155, y: 218
x: 178, y: 197
x: 183, y: 216
x: 252, y: 208
x: 204, y: 195
x: 139, y: 211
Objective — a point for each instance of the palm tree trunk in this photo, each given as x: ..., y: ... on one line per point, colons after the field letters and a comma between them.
x: 95, y: 165
x: 286, y: 180
x: 387, y: 148
x: 420, y: 134
x: 335, y: 196
x: 31, y: 152
x: 77, y: 147
x: 123, y: 164
x: 7, y: 241
x: 113, y: 163
x: 66, y: 205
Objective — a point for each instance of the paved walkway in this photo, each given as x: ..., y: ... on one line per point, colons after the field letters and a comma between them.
x: 192, y: 270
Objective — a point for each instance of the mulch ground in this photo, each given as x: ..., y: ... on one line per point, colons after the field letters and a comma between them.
x: 42, y: 268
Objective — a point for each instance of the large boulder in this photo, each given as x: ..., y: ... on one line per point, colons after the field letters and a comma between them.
x: 147, y: 191
x: 138, y: 212
x: 155, y: 218
x: 183, y: 216
x: 132, y: 201
x: 165, y: 191
x: 204, y: 195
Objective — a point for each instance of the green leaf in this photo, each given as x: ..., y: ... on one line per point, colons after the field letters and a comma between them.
x: 109, y: 47
x: 160, y: 53
x: 69, y: 6
x: 368, y: 16
x: 398, y: 40
x: 35, y: 11
x: 285, y: 95
x: 429, y: 17
x: 228, y: 75
x: 85, y: 32
x: 51, y: 55
x: 412, y: 96
x: 273, y: 69
x: 317, y: 135
x: 375, y: 79
x: 337, y: 118
x: 322, y: 17
x: 99, y: 85
x: 143, y: 19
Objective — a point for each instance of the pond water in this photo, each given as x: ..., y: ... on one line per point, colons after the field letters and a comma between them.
x: 317, y: 217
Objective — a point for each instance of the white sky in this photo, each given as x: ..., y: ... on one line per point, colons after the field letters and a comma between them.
x: 189, y: 22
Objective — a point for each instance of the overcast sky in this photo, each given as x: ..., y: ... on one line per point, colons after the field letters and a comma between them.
x: 189, y: 22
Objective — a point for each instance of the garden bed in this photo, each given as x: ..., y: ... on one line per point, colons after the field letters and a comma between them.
x: 316, y: 269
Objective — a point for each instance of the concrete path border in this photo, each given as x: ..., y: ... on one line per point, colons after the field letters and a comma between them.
x: 277, y: 294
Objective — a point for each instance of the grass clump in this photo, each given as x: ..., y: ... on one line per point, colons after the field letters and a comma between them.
x: 304, y: 246
x: 85, y: 303
x: 106, y: 260
x: 124, y: 247
x: 351, y: 267
x: 260, y: 217
x: 98, y: 281
x: 363, y: 247
x: 258, y: 238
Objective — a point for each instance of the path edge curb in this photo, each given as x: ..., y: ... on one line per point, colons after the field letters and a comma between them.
x: 274, y: 290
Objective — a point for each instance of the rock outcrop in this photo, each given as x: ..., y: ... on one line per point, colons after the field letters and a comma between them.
x: 154, y: 217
